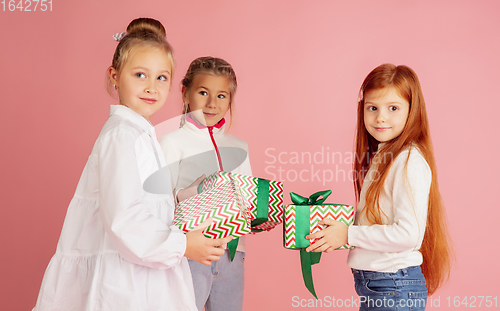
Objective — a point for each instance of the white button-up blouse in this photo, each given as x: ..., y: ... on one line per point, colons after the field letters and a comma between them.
x: 118, y: 248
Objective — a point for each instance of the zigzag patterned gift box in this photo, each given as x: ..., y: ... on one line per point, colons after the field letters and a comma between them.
x: 262, y: 197
x: 223, y: 203
x: 339, y: 212
x: 302, y: 218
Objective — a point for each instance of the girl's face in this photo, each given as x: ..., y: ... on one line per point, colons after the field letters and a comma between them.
x: 143, y: 83
x: 208, y: 98
x: 385, y: 113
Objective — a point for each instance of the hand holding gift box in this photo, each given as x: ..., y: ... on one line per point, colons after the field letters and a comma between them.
x: 303, y: 218
x: 202, y: 249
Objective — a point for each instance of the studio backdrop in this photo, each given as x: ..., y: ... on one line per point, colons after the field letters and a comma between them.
x: 299, y: 66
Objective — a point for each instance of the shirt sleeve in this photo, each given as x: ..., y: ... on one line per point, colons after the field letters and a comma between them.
x: 410, y: 194
x: 138, y: 235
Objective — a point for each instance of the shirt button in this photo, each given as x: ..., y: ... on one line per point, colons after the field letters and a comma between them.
x: 393, y: 293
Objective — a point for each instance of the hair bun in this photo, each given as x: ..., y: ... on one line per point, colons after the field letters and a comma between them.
x: 148, y: 25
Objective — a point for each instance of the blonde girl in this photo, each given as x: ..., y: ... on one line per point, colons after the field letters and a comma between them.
x: 401, y: 246
x: 118, y: 249
x: 201, y: 147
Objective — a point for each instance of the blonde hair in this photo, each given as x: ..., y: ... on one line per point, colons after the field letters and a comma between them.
x: 213, y: 66
x: 436, y: 248
x: 140, y: 32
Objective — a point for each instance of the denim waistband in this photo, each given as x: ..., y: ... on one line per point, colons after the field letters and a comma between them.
x: 373, y: 275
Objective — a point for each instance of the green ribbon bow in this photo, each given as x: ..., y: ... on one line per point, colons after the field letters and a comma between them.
x: 314, y: 199
x: 302, y: 228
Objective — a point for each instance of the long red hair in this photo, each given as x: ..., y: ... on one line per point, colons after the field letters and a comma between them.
x: 435, y: 247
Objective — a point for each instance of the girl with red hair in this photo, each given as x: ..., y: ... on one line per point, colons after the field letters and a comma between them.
x: 401, y: 244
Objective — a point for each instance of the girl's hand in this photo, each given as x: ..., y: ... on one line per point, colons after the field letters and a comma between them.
x: 333, y: 236
x: 202, y: 249
x: 191, y: 190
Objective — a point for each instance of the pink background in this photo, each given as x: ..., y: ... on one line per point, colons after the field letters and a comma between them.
x: 299, y: 66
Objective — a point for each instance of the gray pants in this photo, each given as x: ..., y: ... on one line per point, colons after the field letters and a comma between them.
x: 219, y: 287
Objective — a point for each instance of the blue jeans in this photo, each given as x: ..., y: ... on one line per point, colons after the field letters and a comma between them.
x: 219, y: 287
x: 403, y: 290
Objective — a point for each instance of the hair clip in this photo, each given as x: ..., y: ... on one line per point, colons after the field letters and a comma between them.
x: 360, y: 96
x: 119, y: 35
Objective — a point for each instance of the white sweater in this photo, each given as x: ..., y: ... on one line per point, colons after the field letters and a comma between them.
x: 190, y: 153
x: 394, y: 245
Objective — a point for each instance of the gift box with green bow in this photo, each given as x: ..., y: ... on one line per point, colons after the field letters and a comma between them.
x: 263, y: 198
x: 302, y: 218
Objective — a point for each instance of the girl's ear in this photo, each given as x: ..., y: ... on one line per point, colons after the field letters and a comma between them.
x: 113, y: 76
x: 184, y: 92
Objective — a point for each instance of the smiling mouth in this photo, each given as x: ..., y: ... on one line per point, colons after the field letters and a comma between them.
x: 149, y: 101
x: 210, y: 115
x: 382, y: 129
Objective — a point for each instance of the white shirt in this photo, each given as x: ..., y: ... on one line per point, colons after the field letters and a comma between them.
x: 395, y: 244
x: 190, y: 153
x: 118, y: 248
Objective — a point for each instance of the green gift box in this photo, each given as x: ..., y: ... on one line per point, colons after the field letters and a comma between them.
x: 302, y: 218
